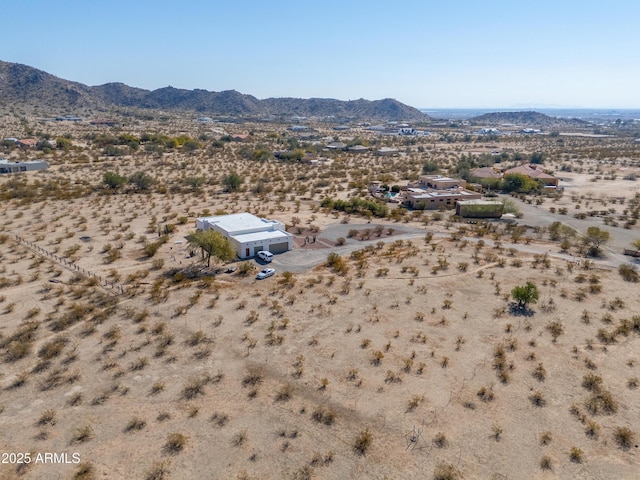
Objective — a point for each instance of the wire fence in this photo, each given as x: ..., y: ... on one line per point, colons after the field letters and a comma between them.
x: 108, y: 285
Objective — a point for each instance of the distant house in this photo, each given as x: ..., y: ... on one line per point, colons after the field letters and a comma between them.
x: 341, y: 128
x: 249, y: 234
x: 486, y: 173
x: 336, y: 146
x: 434, y: 191
x: 298, y: 128
x: 68, y: 118
x: 358, y: 149
x: 27, y: 142
x: 239, y: 137
x: 14, y: 167
x: 387, y: 151
x: 534, y: 172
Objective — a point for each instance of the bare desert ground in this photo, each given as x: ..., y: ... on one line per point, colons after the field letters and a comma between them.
x: 401, y: 355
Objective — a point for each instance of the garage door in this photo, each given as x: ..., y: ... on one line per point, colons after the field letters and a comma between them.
x: 279, y: 247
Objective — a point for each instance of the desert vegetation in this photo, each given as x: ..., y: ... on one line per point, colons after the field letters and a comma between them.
x: 397, y: 338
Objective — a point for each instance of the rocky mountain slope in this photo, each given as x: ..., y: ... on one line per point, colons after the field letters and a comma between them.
x: 38, y: 90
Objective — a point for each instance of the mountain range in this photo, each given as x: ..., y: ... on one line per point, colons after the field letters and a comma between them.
x: 47, y: 94
x: 528, y: 119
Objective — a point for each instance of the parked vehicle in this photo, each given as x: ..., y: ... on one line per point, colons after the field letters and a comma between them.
x: 267, y: 272
x: 265, y: 256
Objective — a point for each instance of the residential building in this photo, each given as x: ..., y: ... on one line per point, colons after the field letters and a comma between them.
x: 435, y: 191
x: 249, y: 234
x: 535, y: 172
x: 7, y: 166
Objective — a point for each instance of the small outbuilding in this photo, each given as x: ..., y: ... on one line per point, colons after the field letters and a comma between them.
x: 249, y: 234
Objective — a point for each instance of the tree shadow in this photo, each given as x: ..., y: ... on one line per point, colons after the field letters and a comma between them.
x: 520, y: 311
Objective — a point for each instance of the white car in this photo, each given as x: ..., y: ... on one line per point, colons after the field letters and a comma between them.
x: 265, y: 256
x: 267, y: 272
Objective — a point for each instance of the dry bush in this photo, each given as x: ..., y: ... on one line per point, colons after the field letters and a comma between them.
x: 446, y: 471
x: 601, y: 402
x: 82, y: 434
x: 134, y: 425
x: 85, y: 471
x: 623, y: 437
x: 158, y: 471
x: 629, y: 273
x: 576, y: 455
x: 175, y: 443
x: 285, y: 393
x: 193, y: 388
x: 363, y: 441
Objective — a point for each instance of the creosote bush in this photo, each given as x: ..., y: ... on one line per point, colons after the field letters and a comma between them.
x: 175, y: 443
x: 363, y: 441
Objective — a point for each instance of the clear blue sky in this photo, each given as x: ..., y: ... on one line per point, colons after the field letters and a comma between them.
x: 428, y: 54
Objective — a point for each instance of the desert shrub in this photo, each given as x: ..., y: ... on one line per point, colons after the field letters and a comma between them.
x: 175, y: 443
x: 245, y: 268
x: 239, y: 439
x: 545, y: 463
x: 591, y: 382
x: 363, y: 441
x: 158, y: 471
x: 284, y: 394
x: 85, y: 471
x: 629, y: 273
x: 446, y: 471
x: 576, y: 455
x: 537, y: 399
x: 601, y: 402
x: 193, y: 388
x: 48, y: 417
x: 324, y: 416
x: 440, y: 440
x: 623, y: 437
x: 82, y: 434
x: 135, y: 424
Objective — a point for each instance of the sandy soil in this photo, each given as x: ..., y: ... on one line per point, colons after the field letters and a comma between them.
x: 415, y: 347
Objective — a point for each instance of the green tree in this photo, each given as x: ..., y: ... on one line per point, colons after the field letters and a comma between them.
x: 525, y: 294
x: 63, y: 143
x: 516, y: 182
x: 430, y: 166
x: 232, y: 182
x: 194, y: 182
x: 212, y: 244
x: 594, y: 239
x: 537, y: 158
x: 141, y: 180
x: 113, y: 180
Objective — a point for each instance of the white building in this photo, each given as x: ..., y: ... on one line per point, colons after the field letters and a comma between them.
x: 249, y: 234
x: 7, y: 166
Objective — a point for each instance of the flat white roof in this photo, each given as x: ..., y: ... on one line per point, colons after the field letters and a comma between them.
x: 238, y: 222
x: 257, y: 236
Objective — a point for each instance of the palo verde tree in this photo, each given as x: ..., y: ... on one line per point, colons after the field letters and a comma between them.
x: 232, y: 182
x: 594, y: 239
x: 141, y: 180
x: 113, y: 180
x: 212, y: 244
x: 525, y: 294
